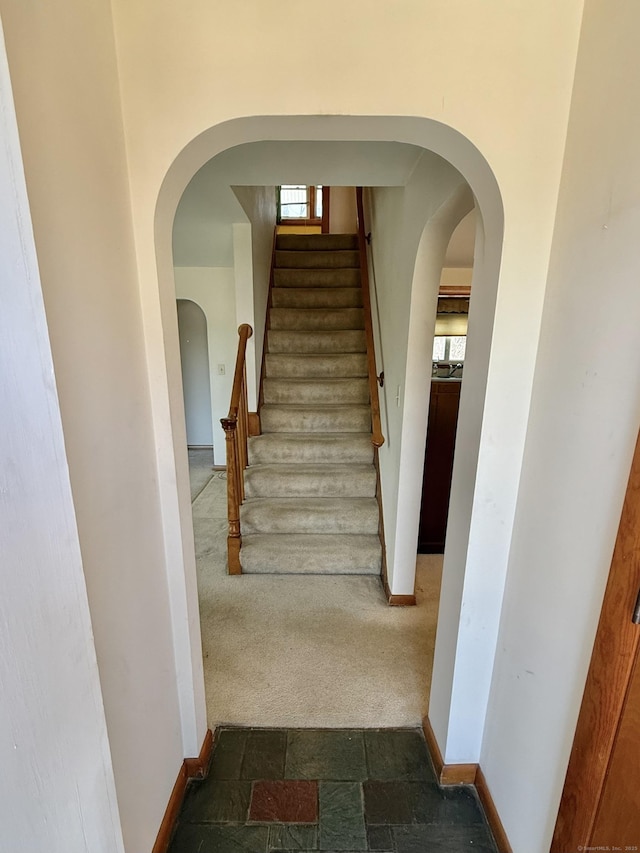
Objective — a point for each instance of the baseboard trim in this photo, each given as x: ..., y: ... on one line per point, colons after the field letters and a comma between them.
x: 467, y: 774
x: 192, y: 768
x: 458, y: 774
x: 397, y: 600
x: 490, y: 810
x: 432, y: 746
x: 447, y: 774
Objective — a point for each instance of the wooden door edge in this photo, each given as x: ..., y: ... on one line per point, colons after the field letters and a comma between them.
x: 612, y: 659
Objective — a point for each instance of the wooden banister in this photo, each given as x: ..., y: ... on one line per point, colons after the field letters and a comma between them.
x: 376, y: 428
x: 236, y: 431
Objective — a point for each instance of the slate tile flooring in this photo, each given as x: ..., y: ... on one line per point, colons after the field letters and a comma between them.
x: 335, y: 791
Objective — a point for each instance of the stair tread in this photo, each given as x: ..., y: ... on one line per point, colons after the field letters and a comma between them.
x: 302, y: 380
x: 340, y: 277
x: 311, y: 553
x: 304, y: 365
x: 325, y: 468
x: 296, y: 447
x: 316, y: 342
x: 316, y: 319
x: 310, y: 479
x: 316, y: 297
x: 310, y: 515
x: 323, y: 242
x: 317, y: 259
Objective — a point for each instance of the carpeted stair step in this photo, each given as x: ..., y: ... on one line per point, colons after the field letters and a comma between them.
x: 316, y: 242
x: 309, y: 515
x: 316, y: 278
x: 310, y: 554
x: 299, y: 366
x: 314, y: 392
x: 317, y: 260
x: 294, y: 447
x: 310, y: 480
x: 316, y: 297
x: 279, y: 418
x: 336, y: 341
x: 314, y: 319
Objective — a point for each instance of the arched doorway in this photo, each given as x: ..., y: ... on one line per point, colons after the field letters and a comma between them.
x: 194, y: 360
x: 403, y: 486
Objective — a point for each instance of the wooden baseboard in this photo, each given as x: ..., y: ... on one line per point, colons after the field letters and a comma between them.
x: 447, y: 774
x: 397, y: 600
x: 432, y: 746
x: 192, y: 768
x: 458, y: 774
x: 467, y: 774
x: 491, y: 813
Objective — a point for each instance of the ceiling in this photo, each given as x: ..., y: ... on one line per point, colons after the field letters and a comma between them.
x: 202, y: 233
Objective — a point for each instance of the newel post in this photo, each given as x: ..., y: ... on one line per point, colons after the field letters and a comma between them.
x: 234, y: 539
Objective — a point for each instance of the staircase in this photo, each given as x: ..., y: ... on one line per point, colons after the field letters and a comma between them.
x: 310, y: 489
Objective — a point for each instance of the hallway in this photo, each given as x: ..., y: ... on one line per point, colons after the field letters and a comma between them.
x: 314, y: 651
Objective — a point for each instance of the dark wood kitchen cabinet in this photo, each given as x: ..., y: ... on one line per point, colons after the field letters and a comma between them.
x: 438, y: 465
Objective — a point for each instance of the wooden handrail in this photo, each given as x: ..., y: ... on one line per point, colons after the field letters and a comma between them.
x: 376, y: 428
x: 236, y: 431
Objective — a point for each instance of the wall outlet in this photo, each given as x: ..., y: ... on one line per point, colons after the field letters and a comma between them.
x: 221, y: 370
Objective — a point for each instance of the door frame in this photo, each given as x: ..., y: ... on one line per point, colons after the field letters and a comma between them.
x: 614, y: 654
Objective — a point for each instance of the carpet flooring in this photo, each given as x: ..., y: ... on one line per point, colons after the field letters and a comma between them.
x: 308, y: 651
x: 200, y: 469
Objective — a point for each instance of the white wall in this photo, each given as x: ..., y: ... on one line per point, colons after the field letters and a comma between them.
x: 585, y: 413
x: 57, y: 790
x: 184, y: 91
x: 63, y: 68
x: 456, y: 276
x: 194, y: 360
x: 397, y: 219
x: 259, y: 203
x: 180, y: 78
x: 343, y: 211
x: 213, y: 289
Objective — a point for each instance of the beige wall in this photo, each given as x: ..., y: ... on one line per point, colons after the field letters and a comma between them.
x: 57, y: 791
x: 585, y: 413
x: 213, y: 289
x: 63, y: 69
x: 343, y: 215
x: 180, y: 75
x: 184, y: 81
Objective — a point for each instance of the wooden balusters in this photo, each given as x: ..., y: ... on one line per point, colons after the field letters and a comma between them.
x: 376, y: 426
x: 236, y: 431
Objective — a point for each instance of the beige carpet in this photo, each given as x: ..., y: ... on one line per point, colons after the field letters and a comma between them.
x: 308, y: 650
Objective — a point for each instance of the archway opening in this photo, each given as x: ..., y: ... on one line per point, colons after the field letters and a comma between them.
x: 401, y: 489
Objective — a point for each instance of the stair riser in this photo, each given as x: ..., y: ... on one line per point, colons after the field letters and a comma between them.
x: 316, y: 392
x: 294, y: 484
x: 292, y: 419
x: 316, y: 278
x: 316, y: 242
x: 287, y: 449
x: 337, y: 341
x: 317, y: 260
x: 280, y: 366
x: 310, y: 555
x: 316, y: 319
x: 316, y: 297
x: 313, y: 517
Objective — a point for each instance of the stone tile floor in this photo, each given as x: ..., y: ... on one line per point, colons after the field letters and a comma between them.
x: 327, y: 790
